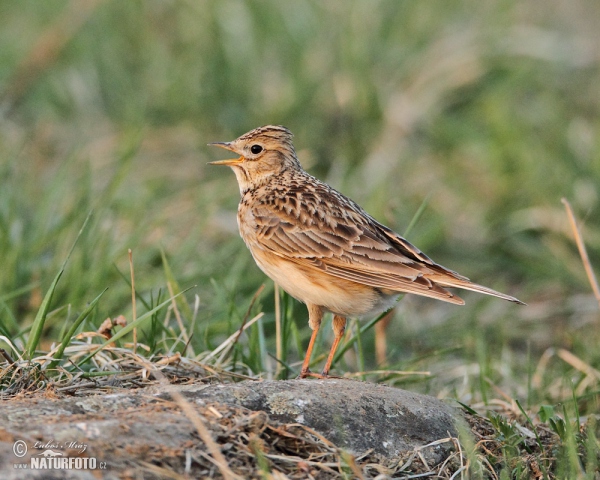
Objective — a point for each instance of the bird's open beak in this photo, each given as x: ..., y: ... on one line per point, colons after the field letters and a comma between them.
x: 229, y: 161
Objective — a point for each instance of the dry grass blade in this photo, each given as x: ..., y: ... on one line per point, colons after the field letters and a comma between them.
x: 247, y: 316
x: 278, y: 339
x: 133, y: 303
x: 386, y: 372
x: 315, y: 434
x: 217, y: 457
x: 182, y: 329
x: 162, y: 472
x: 5, y: 354
x: 536, y: 380
x: 14, y: 349
x: 227, y: 344
x: 582, y: 250
x: 326, y: 466
x: 422, y: 475
x: 577, y: 363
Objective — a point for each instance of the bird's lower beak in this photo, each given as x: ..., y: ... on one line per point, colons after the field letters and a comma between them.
x: 229, y: 161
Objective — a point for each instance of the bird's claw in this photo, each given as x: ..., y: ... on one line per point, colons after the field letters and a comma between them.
x: 321, y: 376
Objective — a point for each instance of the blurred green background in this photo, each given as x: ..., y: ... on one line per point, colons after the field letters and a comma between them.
x: 489, y: 112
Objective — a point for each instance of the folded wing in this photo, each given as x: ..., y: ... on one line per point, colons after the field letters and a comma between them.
x: 350, y: 244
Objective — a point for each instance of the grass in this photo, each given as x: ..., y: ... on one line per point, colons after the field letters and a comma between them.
x: 478, y: 117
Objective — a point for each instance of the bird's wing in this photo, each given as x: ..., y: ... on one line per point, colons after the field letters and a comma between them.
x: 349, y: 244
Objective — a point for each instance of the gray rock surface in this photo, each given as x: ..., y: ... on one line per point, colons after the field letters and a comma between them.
x: 128, y: 428
x: 354, y: 415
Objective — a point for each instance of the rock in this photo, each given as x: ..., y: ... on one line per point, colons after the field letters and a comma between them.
x: 357, y: 416
x: 146, y: 427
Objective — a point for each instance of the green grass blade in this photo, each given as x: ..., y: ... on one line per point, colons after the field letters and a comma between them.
x: 417, y: 215
x: 537, y: 437
x: 18, y: 292
x: 344, y: 348
x: 10, y: 323
x: 67, y: 338
x: 361, y: 354
x: 125, y: 330
x: 38, y: 324
x: 262, y: 346
x: 40, y: 318
x: 183, y: 305
x: 467, y: 408
x: 592, y: 448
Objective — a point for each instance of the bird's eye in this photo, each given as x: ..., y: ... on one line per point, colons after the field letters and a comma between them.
x: 256, y: 149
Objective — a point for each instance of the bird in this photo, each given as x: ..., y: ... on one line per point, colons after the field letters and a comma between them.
x: 321, y: 247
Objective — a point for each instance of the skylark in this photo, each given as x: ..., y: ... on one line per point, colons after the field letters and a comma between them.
x: 320, y: 246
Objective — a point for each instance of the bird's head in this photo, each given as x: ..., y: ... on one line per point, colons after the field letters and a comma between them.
x: 263, y: 152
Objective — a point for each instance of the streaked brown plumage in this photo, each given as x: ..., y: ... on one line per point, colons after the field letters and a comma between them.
x: 320, y: 246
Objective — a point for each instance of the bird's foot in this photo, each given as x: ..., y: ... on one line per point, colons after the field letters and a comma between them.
x: 322, y: 376
x: 306, y: 373
x: 327, y: 375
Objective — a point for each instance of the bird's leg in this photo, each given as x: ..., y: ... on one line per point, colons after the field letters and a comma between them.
x: 339, y: 327
x: 315, y: 315
x: 380, y: 338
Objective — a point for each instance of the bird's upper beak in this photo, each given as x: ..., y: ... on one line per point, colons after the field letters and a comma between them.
x: 229, y: 161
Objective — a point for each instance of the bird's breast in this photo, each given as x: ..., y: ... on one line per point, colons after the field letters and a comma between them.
x: 247, y: 223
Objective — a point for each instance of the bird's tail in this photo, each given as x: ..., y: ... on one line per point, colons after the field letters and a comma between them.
x: 467, y: 285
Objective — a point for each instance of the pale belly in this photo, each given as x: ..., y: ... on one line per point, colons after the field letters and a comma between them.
x: 336, y: 295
